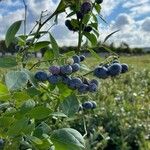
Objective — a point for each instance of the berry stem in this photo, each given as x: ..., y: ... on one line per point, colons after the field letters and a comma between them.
x: 79, y: 37
x: 39, y: 62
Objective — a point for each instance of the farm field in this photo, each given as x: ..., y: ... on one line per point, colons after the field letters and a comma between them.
x: 122, y: 117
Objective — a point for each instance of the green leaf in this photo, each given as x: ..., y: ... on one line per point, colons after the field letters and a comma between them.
x: 91, y: 37
x: 70, y: 105
x: 27, y: 106
x: 39, y: 45
x: 11, y: 32
x: 35, y: 140
x: 6, y: 121
x: 16, y: 80
x: 31, y: 77
x: 64, y: 91
x: 97, y: 8
x: 86, y: 19
x: 55, y: 46
x: 39, y: 112
x: 17, y: 127
x: 58, y: 114
x: 8, y: 62
x: 3, y: 90
x: 94, y: 54
x: 67, y: 139
x: 108, y: 36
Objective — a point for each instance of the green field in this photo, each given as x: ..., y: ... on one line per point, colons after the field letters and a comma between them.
x: 122, y: 117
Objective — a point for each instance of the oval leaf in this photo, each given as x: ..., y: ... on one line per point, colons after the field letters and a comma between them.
x: 91, y: 37
x: 8, y: 62
x: 39, y: 112
x: 16, y: 80
x: 67, y: 139
x: 11, y: 32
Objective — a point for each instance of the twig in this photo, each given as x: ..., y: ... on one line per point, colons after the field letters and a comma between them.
x: 25, y: 19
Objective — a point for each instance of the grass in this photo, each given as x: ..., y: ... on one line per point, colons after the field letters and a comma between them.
x: 138, y: 62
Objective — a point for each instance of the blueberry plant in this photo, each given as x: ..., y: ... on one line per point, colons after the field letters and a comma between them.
x: 38, y: 97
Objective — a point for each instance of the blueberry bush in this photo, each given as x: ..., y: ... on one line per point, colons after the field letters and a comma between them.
x: 51, y: 103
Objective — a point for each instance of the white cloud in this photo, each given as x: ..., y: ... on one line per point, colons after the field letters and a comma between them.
x: 123, y: 20
x: 146, y: 25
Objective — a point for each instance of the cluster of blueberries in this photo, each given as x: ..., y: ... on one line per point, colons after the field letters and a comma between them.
x: 86, y: 7
x: 61, y: 74
x: 112, y: 69
x: 88, y: 105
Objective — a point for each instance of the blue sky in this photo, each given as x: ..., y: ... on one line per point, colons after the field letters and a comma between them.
x: 131, y: 16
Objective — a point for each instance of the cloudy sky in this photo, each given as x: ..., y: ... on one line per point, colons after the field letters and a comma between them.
x: 131, y: 16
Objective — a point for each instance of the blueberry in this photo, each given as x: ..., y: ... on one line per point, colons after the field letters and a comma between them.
x: 75, y: 83
x: 92, y: 87
x: 66, y: 70
x: 125, y: 68
x: 101, y: 72
x: 82, y: 58
x: 17, y: 47
x: 69, y: 25
x: 94, y: 81
x: 76, y: 59
x: 88, y: 29
x: 94, y: 104
x: 80, y: 15
x: 86, y: 7
x: 66, y: 79
x: 83, y: 88
x: 87, y: 105
x: 54, y: 69
x: 41, y: 76
x: 54, y: 79
x: 114, y: 69
x: 98, y: 1
x: 75, y: 67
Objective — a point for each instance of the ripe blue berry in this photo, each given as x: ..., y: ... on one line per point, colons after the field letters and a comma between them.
x: 83, y: 88
x: 86, y: 7
x: 66, y: 70
x: 92, y: 87
x: 82, y: 58
x: 94, y: 104
x: 101, y: 72
x: 75, y: 83
x: 69, y: 25
x: 54, y: 70
x: 66, y: 79
x: 94, y: 81
x: 80, y: 15
x: 54, y: 79
x: 125, y: 68
x: 114, y: 69
x: 41, y: 76
x: 87, y: 105
x: 88, y: 29
x: 75, y: 67
x: 76, y: 59
x: 99, y: 1
x: 17, y: 47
